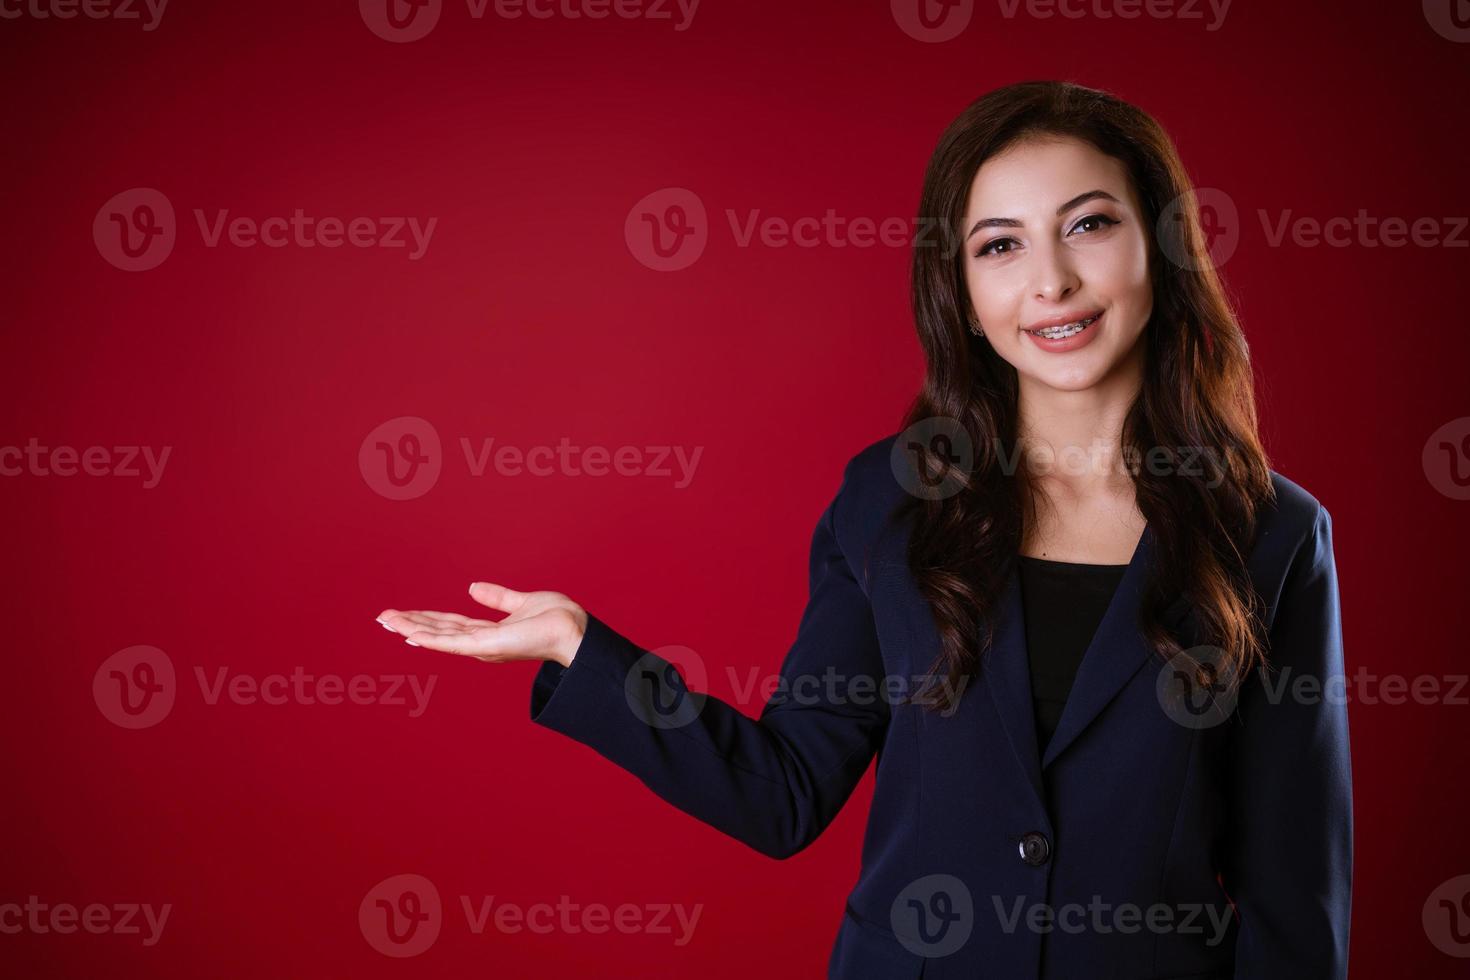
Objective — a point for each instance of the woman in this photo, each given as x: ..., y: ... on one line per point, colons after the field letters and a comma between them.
x: 1110, y: 762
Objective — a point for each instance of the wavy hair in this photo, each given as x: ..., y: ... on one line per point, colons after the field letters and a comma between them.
x: 1197, y: 392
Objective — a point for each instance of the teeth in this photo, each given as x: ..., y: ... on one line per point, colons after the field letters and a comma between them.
x: 1057, y: 333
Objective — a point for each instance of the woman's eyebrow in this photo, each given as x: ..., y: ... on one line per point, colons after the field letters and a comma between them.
x: 1013, y: 223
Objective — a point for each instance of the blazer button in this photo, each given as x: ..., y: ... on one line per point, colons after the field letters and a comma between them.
x: 1035, y: 849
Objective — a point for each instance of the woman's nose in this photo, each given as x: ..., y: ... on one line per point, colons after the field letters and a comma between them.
x: 1055, y: 277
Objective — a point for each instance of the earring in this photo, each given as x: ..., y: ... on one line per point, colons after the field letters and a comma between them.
x: 975, y: 328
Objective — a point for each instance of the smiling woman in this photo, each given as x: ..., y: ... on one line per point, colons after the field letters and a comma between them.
x: 1103, y: 787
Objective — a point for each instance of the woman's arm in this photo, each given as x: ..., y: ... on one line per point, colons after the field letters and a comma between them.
x: 1289, y: 865
x: 773, y: 783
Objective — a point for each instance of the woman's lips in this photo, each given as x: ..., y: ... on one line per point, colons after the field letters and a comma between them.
x: 1080, y: 339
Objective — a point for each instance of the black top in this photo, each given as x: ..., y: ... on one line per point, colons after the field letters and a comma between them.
x: 1063, y: 603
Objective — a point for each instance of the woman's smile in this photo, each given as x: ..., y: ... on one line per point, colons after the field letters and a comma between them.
x: 1060, y: 338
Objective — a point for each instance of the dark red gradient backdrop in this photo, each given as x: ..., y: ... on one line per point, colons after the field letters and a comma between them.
x: 263, y: 549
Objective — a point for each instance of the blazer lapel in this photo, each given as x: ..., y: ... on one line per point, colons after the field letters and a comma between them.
x: 1009, y: 670
x: 1118, y: 649
x: 1116, y: 652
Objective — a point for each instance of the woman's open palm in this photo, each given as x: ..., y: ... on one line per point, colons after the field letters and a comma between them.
x: 540, y: 626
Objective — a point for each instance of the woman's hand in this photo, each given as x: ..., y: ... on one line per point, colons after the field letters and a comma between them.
x: 541, y: 626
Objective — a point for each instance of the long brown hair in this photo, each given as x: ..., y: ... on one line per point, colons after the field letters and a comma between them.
x: 1197, y: 391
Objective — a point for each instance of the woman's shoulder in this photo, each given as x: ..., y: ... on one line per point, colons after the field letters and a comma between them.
x: 1291, y: 529
x: 1293, y: 512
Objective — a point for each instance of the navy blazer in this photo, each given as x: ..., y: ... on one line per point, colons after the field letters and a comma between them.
x: 1141, y: 845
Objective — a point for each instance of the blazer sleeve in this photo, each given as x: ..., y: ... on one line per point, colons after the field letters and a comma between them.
x: 1289, y: 865
x: 775, y: 782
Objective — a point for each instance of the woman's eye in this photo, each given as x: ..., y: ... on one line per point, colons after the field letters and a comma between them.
x: 1088, y: 223
x: 993, y: 247
x: 1098, y: 221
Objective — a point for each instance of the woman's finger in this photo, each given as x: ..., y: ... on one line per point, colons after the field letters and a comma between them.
x: 407, y: 621
x: 478, y: 643
x: 497, y: 596
x: 451, y: 619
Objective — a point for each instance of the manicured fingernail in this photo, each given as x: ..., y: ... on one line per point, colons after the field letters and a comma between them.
x: 409, y: 642
x: 387, y: 627
x: 472, y: 586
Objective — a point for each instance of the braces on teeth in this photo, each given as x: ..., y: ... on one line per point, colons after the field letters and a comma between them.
x: 1057, y: 333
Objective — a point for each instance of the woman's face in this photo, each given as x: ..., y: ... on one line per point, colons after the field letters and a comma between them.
x: 1055, y: 234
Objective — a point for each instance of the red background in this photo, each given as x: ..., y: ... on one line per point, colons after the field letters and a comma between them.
x: 263, y: 548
